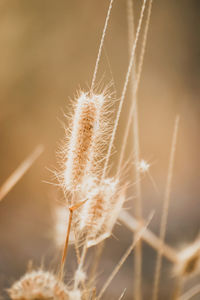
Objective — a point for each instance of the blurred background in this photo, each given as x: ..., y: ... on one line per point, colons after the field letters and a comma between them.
x: 47, y: 52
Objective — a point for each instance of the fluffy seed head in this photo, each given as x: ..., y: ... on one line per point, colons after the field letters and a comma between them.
x: 80, y: 275
x: 81, y: 147
x: 38, y: 285
x: 189, y: 260
x: 98, y: 215
x: 75, y: 294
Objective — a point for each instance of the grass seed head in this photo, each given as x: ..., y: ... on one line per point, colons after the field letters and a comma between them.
x: 75, y: 295
x: 81, y: 147
x: 80, y: 275
x: 38, y: 285
x: 98, y: 215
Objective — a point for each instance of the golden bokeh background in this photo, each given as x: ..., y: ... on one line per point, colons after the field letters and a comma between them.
x: 47, y: 52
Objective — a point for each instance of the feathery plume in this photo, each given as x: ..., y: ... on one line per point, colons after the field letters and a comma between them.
x: 98, y: 215
x: 80, y: 151
x: 38, y: 285
x: 75, y: 295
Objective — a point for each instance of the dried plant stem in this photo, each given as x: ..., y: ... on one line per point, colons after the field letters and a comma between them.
x: 149, y: 237
x: 122, y: 295
x: 137, y: 77
x: 165, y: 211
x: 81, y: 263
x: 124, y: 89
x: 123, y: 258
x: 135, y: 80
x: 93, y: 297
x: 192, y: 292
x: 76, y: 246
x: 138, y: 211
x: 101, y: 46
x: 178, y: 288
x: 64, y: 255
x: 98, y: 252
x: 20, y: 171
x: 138, y: 201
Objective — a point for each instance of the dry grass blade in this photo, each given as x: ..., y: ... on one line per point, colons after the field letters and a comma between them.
x: 20, y: 171
x: 135, y: 84
x: 138, y: 201
x: 124, y: 89
x: 178, y: 288
x: 98, y: 253
x: 135, y: 80
x: 124, y: 257
x: 191, y: 293
x: 149, y: 237
x: 64, y: 255
x: 165, y: 210
x: 122, y: 295
x: 101, y: 45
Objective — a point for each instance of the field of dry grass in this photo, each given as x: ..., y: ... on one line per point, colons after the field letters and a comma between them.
x: 68, y: 161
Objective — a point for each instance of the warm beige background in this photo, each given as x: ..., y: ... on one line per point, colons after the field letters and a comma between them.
x: 47, y: 51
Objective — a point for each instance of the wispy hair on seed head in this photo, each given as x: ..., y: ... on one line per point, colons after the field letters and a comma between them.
x: 98, y: 215
x: 38, y: 285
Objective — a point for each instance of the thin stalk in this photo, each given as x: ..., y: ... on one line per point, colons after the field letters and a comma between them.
x: 135, y: 80
x: 178, y: 288
x: 64, y: 254
x: 124, y: 89
x: 101, y: 46
x: 138, y: 201
x: 191, y: 293
x: 122, y: 295
x: 149, y: 237
x: 76, y: 246
x: 20, y: 171
x: 80, y: 266
x: 123, y: 259
x: 138, y: 211
x: 137, y: 76
x: 165, y: 211
x: 98, y: 252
